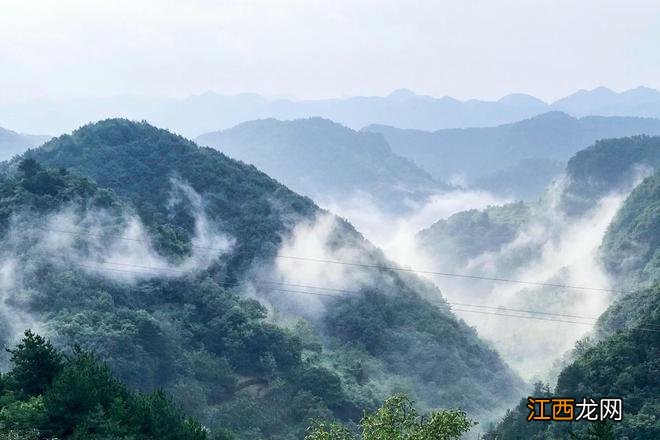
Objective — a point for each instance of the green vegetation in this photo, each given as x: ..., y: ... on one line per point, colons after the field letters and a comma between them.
x: 397, y: 419
x: 631, y: 247
x: 607, y: 166
x: 221, y: 356
x: 622, y: 358
x: 50, y: 395
x: 621, y: 365
x: 477, y: 153
x: 467, y: 234
x: 325, y: 160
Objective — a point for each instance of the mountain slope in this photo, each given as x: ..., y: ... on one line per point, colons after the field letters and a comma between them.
x: 184, y: 310
x: 478, y: 152
x: 607, y: 165
x: 631, y: 247
x: 12, y: 143
x: 621, y: 357
x: 325, y: 160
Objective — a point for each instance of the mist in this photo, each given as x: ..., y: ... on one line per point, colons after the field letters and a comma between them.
x: 551, y: 247
x: 109, y: 243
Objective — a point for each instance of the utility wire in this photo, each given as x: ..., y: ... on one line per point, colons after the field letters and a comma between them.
x: 375, y: 266
x: 261, y: 281
x: 269, y: 282
x: 499, y: 311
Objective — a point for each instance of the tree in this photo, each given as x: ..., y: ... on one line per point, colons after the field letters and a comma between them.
x: 35, y: 364
x: 29, y: 167
x: 397, y: 419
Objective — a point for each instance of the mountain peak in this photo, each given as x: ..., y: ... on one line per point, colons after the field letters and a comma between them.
x: 521, y: 99
x: 402, y: 94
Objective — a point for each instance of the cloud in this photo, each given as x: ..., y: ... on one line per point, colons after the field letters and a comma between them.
x: 103, y: 242
x: 395, y: 234
x: 119, y: 247
x: 551, y: 246
x: 322, y: 238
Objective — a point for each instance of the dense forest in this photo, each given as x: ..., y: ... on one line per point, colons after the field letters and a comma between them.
x: 50, y: 394
x: 182, y: 322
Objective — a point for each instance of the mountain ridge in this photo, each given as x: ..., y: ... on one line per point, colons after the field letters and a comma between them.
x: 402, y: 108
x: 334, y: 363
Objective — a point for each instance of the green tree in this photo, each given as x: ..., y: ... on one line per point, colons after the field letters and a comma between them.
x: 35, y: 365
x: 397, y: 419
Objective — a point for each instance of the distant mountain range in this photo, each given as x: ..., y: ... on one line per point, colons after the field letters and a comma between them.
x: 402, y: 108
x: 12, y: 143
x: 325, y: 160
x: 517, y: 159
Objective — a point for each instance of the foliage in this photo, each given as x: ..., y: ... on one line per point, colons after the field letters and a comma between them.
x: 606, y: 166
x: 320, y: 158
x: 221, y: 356
x: 475, y: 153
x: 36, y: 363
x: 623, y: 362
x: 78, y: 398
x: 622, y: 365
x: 631, y: 246
x: 397, y: 419
x: 468, y: 234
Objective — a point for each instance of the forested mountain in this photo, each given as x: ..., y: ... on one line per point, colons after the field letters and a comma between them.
x: 606, y: 165
x: 148, y: 249
x: 324, y: 160
x: 12, y: 143
x: 631, y: 247
x: 402, y: 108
x: 571, y: 235
x: 621, y: 357
x: 467, y: 234
x: 477, y: 153
x: 605, y: 168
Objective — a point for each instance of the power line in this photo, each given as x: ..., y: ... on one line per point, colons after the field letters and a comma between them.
x: 375, y: 266
x: 268, y: 282
x: 484, y: 312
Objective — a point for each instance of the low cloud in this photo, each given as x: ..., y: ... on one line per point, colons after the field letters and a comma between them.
x: 99, y: 241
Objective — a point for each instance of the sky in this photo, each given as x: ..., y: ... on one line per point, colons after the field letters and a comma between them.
x: 319, y: 49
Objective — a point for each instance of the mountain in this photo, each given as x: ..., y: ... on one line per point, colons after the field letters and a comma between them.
x: 605, y: 166
x: 468, y: 234
x: 601, y: 170
x: 477, y: 153
x: 524, y: 180
x: 324, y: 160
x: 626, y: 337
x: 402, y: 108
x: 631, y: 247
x: 212, y: 111
x: 12, y: 143
x: 641, y: 101
x: 169, y: 260
x: 589, y: 228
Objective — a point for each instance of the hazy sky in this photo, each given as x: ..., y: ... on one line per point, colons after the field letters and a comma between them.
x: 331, y: 48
